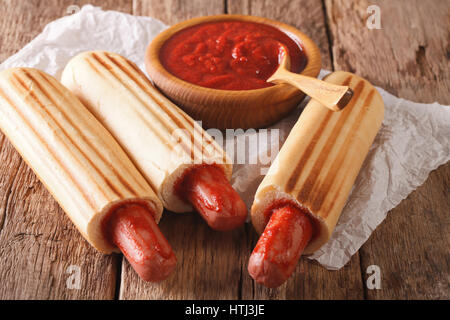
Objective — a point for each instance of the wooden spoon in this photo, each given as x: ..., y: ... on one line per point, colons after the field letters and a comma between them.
x: 332, y: 96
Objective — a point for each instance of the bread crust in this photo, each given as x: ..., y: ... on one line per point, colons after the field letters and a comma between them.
x: 161, y: 139
x: 321, y: 158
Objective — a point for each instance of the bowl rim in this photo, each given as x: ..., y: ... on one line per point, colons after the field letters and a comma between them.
x: 154, y: 65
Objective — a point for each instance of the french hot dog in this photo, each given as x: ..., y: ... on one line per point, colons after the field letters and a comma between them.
x: 311, y: 178
x: 184, y: 164
x: 80, y: 163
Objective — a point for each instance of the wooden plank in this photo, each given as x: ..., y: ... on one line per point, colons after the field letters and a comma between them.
x: 409, y: 57
x: 21, y: 21
x: 173, y: 11
x: 310, y: 280
x: 412, y: 246
x: 38, y: 243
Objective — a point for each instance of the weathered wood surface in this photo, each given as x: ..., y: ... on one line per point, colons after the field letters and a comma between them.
x: 408, y: 57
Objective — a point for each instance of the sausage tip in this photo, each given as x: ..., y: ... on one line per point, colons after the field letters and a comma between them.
x: 280, y: 246
x: 212, y: 195
x: 134, y: 231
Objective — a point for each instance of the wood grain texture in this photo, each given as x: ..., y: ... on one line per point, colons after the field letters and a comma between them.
x: 411, y: 246
x: 23, y: 20
x: 37, y: 241
x: 174, y: 11
x: 409, y: 57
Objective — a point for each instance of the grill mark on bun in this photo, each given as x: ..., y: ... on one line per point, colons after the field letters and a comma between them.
x: 292, y: 181
x: 312, y: 179
x: 318, y: 201
x: 145, y: 85
x: 31, y: 93
x: 51, y: 152
x: 125, y: 184
x: 149, y: 126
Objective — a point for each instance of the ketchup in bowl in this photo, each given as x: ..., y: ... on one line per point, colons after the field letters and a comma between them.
x: 229, y: 55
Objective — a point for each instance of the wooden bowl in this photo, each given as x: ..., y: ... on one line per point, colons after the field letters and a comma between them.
x: 224, y: 109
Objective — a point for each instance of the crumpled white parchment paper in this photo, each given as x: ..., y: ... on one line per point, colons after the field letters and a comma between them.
x: 414, y: 138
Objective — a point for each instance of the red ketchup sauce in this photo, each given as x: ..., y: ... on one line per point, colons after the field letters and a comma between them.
x: 229, y: 55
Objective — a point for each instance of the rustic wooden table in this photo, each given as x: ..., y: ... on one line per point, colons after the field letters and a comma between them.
x: 409, y: 56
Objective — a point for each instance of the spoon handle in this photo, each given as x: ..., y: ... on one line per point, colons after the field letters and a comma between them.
x: 332, y: 96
